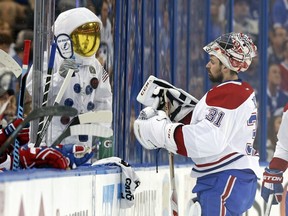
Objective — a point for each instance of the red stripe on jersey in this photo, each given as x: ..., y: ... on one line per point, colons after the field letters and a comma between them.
x: 178, y: 137
x: 216, y: 162
x: 226, y: 193
x: 229, y: 95
x: 278, y: 164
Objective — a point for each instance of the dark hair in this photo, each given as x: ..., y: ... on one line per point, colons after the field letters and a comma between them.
x: 23, y: 35
x: 5, y: 38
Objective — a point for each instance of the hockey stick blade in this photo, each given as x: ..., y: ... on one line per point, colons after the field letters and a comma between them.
x: 84, y: 129
x: 38, y: 113
x: 101, y: 116
x: 10, y: 63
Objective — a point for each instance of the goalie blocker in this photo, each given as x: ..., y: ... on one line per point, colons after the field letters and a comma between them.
x: 158, y: 121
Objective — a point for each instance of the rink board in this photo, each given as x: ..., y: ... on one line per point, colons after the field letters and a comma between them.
x: 96, y: 191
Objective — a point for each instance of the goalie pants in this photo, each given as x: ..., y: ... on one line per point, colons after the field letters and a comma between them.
x: 229, y: 193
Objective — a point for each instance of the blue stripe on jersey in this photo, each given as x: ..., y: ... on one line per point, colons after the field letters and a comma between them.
x: 217, y: 167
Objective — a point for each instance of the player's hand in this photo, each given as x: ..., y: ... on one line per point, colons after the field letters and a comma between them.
x: 66, y: 65
x: 272, y: 184
x: 42, y: 157
x: 23, y: 136
x: 77, y: 154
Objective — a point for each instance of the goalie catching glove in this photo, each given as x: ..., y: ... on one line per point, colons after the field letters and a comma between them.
x: 180, y: 102
x: 153, y: 129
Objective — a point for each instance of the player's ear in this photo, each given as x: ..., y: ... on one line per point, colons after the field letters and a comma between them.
x: 224, y: 68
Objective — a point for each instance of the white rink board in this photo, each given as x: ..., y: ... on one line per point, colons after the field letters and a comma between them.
x: 98, y: 193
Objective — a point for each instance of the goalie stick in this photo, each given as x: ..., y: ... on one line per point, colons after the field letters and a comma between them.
x: 7, y: 61
x: 174, y: 196
x: 56, y: 103
x: 47, y: 86
x: 145, y: 97
x: 21, y: 97
x: 85, y: 129
x: 269, y: 205
x: 38, y: 113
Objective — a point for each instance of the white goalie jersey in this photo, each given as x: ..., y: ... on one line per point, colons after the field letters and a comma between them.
x: 222, y: 130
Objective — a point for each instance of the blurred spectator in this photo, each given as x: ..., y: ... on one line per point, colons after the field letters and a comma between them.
x: 278, y: 36
x: 97, y: 4
x: 280, y: 14
x: 14, y: 13
x: 273, y: 127
x: 8, y: 103
x: 252, y: 75
x: 106, y: 35
x: 5, y: 42
x: 63, y: 5
x: 5, y: 28
x: 242, y: 19
x: 284, y: 69
x: 19, y: 46
x: 276, y: 97
x: 217, y: 26
x: 164, y: 45
x: 7, y: 99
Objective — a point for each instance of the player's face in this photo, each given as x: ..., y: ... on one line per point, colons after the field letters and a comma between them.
x: 214, y: 69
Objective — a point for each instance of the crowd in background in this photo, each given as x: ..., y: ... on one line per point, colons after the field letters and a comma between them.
x: 16, y: 25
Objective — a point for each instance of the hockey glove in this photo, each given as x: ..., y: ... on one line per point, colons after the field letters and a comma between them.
x: 66, y: 65
x: 153, y: 129
x: 272, y: 184
x: 180, y: 105
x: 23, y: 136
x: 77, y: 154
x: 42, y: 157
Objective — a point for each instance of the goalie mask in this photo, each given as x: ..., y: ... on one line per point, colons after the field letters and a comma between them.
x: 234, y: 50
